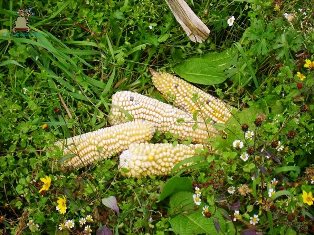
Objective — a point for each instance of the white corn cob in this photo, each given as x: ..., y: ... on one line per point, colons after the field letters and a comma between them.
x: 85, y: 149
x: 181, y: 93
x: 154, y: 159
x: 165, y: 117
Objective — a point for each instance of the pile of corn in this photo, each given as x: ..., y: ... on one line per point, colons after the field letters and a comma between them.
x: 135, y: 118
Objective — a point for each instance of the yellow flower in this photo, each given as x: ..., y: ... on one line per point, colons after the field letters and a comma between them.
x: 277, y: 7
x: 47, y: 182
x: 301, y: 76
x: 62, y: 207
x: 308, y: 198
x: 309, y: 64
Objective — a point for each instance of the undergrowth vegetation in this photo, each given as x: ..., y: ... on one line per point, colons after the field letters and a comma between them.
x: 57, y: 81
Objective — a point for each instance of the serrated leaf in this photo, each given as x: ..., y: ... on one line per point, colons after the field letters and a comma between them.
x: 174, y: 185
x: 196, y: 223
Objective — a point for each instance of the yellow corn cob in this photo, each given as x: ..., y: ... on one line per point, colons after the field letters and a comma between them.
x: 85, y: 149
x: 154, y: 159
x: 181, y: 93
x: 165, y: 117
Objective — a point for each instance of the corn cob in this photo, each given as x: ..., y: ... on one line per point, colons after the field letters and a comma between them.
x: 165, y: 117
x: 85, y: 149
x: 190, y: 98
x: 154, y: 159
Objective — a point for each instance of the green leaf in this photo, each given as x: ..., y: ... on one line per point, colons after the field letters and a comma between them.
x: 207, y: 70
x: 281, y: 193
x: 181, y: 202
x: 287, y: 168
x: 196, y: 223
x: 174, y: 185
x: 7, y: 62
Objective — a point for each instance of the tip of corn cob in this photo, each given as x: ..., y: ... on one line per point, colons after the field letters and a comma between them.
x: 83, y: 150
x: 154, y: 159
x: 190, y: 98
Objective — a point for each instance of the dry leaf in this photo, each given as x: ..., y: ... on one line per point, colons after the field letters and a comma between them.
x: 196, y: 30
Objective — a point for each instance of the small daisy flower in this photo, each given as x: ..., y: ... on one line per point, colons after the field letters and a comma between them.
x: 249, y: 135
x: 197, y: 191
x: 231, y: 189
x: 206, y: 213
x: 69, y: 224
x: 89, y: 218
x: 237, y: 216
x: 289, y: 16
x: 197, y: 199
x: 244, y: 156
x: 62, y: 226
x: 274, y: 181
x: 237, y: 144
x: 33, y: 227
x: 254, y: 220
x: 82, y: 221
x: 271, y: 192
x: 87, y: 230
x: 280, y: 147
x: 230, y: 21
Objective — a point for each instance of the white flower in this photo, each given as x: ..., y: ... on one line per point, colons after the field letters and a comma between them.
x: 82, y: 221
x: 230, y: 21
x: 280, y: 147
x: 271, y: 192
x: 249, y: 135
x: 231, y: 189
x: 150, y: 27
x: 236, y: 215
x: 88, y: 230
x: 238, y: 144
x: 25, y: 90
x: 274, y: 181
x: 32, y: 226
x: 197, y: 191
x: 289, y: 16
x: 254, y: 220
x: 197, y: 199
x: 312, y: 180
x: 69, y: 224
x: 205, y: 211
x: 244, y: 156
x: 89, y: 218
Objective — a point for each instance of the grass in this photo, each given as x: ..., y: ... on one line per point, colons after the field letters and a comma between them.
x: 58, y: 80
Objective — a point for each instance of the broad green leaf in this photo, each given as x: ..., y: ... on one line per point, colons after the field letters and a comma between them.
x: 174, y: 185
x: 207, y: 70
x: 181, y: 202
x: 196, y: 223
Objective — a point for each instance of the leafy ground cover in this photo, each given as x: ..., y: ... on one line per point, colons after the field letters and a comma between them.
x: 57, y: 81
